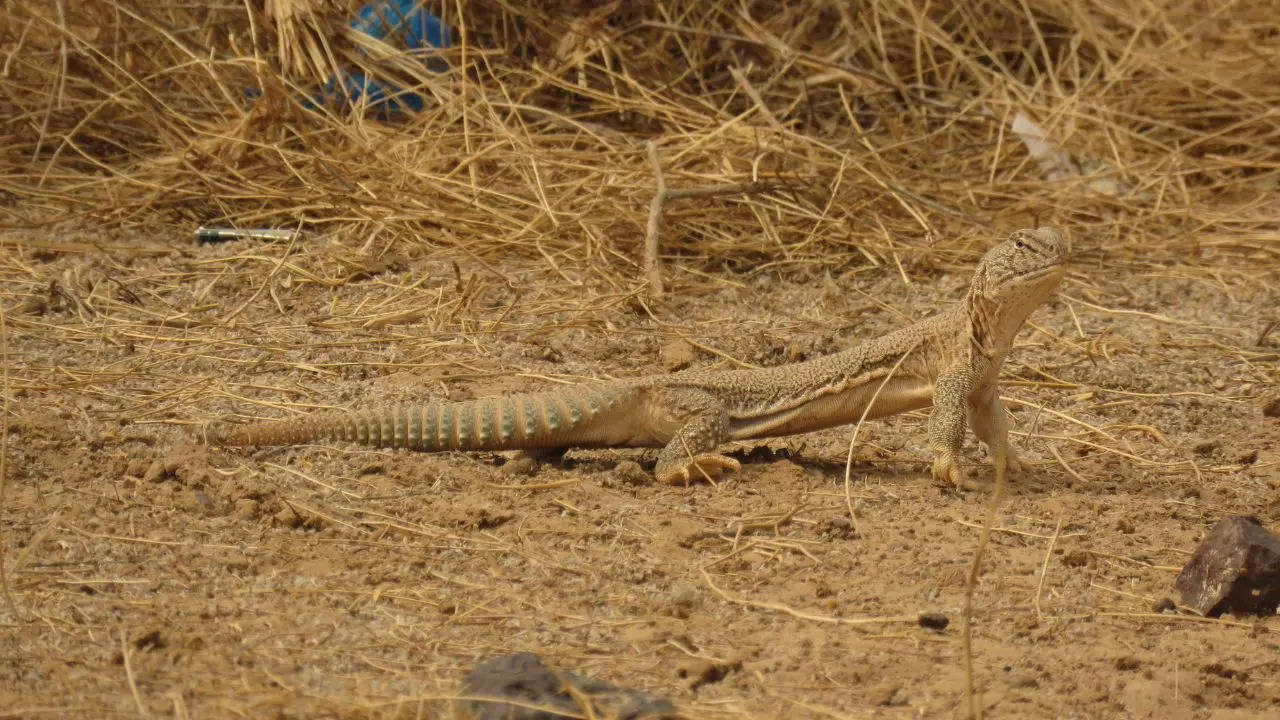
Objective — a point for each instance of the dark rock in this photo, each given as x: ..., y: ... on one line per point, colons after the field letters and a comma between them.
x: 1272, y: 407
x: 537, y: 692
x: 933, y: 621
x: 1235, y: 569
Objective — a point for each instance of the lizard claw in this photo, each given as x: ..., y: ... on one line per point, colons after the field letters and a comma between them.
x: 1012, y: 463
x: 707, y: 465
x: 947, y: 472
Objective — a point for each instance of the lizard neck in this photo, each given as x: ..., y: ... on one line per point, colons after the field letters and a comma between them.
x: 993, y: 324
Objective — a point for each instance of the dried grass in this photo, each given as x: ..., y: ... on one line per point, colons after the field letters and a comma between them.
x: 888, y: 125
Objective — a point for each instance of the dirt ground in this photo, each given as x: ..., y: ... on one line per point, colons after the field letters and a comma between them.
x: 153, y: 574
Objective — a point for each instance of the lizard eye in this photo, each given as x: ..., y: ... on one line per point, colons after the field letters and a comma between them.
x: 1019, y: 244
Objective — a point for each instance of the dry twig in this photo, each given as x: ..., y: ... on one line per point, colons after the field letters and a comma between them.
x: 662, y: 194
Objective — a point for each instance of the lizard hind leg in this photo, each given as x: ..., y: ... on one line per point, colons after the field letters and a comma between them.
x: 690, y: 455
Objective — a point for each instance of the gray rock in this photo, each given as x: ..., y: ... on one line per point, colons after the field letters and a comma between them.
x: 1235, y: 569
x: 537, y: 692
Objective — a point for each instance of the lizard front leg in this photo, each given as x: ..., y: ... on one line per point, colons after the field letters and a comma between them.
x: 690, y: 454
x: 947, y: 424
x: 990, y: 423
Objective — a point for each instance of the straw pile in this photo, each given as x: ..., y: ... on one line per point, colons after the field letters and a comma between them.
x: 886, y: 127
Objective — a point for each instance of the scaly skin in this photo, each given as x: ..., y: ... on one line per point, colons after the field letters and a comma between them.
x: 951, y: 361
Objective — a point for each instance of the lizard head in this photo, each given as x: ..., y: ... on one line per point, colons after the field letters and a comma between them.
x: 1025, y: 269
x: 1014, y: 278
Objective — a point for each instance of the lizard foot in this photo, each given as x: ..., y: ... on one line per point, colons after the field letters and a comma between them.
x: 947, y: 473
x: 1012, y: 463
x: 707, y: 465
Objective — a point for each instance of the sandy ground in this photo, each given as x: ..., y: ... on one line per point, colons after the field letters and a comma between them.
x: 152, y: 573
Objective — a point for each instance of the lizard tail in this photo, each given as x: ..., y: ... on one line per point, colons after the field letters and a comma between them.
x: 551, y: 419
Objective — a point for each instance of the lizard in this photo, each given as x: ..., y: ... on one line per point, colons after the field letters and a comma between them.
x: 951, y: 361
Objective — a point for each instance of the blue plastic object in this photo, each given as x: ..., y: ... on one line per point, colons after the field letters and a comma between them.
x: 398, y: 22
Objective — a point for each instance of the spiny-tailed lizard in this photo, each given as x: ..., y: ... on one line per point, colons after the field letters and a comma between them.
x: 951, y: 361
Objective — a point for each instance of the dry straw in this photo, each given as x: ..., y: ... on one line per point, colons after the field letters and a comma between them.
x: 885, y: 123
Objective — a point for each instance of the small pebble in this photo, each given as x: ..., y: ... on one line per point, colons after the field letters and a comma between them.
x: 933, y: 621
x: 1272, y: 407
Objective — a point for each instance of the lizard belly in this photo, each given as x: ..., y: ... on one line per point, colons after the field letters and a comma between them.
x: 838, y: 408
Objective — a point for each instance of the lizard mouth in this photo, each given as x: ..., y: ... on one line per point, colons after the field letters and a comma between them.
x: 1042, y: 271
x: 1052, y: 268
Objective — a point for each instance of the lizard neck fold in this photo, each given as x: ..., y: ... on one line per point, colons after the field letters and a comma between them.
x: 984, y: 325
x: 993, y: 323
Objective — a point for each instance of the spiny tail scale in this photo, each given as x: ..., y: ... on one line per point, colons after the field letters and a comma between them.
x: 549, y: 419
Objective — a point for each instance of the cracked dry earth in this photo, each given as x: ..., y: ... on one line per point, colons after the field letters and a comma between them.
x: 153, y: 573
